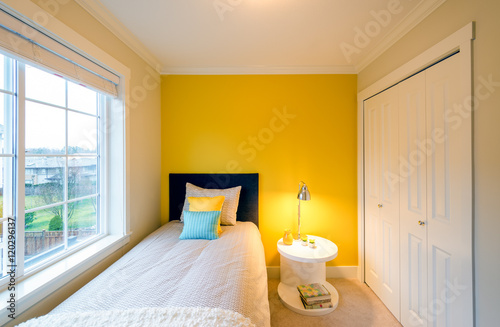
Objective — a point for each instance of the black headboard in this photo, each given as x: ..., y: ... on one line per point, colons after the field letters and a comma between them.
x: 248, y: 207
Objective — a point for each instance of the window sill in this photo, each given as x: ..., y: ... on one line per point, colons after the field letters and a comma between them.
x: 35, y: 288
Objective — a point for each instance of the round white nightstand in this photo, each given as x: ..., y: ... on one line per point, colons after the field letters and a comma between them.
x: 304, y: 265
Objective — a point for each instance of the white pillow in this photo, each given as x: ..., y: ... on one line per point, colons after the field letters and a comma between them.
x: 232, y: 198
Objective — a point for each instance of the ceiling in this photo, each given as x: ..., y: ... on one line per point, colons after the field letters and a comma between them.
x: 259, y: 36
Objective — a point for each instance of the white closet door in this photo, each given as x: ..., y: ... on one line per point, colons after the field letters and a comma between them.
x: 449, y: 194
x: 413, y: 164
x: 382, y: 198
x: 372, y: 193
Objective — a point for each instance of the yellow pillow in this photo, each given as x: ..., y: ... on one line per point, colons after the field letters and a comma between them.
x: 206, y: 203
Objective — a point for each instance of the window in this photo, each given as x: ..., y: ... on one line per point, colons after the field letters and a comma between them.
x: 62, y: 158
x: 52, y: 174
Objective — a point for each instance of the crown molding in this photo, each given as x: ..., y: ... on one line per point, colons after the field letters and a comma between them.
x: 259, y: 70
x: 412, y: 19
x: 105, y: 17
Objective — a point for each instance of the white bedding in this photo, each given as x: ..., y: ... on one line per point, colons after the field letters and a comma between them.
x: 163, y: 271
x: 145, y: 317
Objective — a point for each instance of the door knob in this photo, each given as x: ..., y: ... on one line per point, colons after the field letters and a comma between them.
x: 380, y: 205
x: 421, y: 223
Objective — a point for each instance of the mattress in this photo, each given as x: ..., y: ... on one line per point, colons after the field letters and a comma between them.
x: 163, y: 271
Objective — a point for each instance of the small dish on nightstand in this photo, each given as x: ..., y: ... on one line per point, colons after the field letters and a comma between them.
x: 312, y: 243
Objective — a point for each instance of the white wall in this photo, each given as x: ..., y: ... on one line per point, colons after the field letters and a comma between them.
x: 451, y: 16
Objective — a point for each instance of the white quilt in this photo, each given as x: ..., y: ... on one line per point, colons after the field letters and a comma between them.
x: 145, y: 317
x: 163, y: 271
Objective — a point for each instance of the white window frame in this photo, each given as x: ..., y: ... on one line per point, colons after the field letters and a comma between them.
x: 9, y: 172
x: 36, y: 287
x: 103, y: 106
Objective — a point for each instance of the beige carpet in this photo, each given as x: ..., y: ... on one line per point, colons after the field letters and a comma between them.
x: 358, y: 306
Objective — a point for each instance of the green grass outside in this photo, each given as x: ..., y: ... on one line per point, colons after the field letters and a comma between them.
x: 83, y: 216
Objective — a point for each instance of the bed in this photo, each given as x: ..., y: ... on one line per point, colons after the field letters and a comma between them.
x: 172, y: 282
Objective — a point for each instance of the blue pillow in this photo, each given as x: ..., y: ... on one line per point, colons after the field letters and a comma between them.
x: 200, y: 225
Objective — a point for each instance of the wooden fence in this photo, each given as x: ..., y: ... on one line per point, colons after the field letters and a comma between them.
x: 38, y: 242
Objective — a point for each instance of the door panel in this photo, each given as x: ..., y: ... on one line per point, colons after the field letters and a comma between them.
x: 372, y: 254
x: 416, y: 276
x: 387, y: 264
x: 413, y: 147
x: 372, y: 193
x: 449, y: 205
x: 388, y: 148
x: 382, y: 198
x: 389, y: 212
x: 440, y: 308
x: 438, y: 100
x: 372, y: 152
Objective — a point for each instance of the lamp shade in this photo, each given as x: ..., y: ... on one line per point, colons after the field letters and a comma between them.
x: 303, y: 192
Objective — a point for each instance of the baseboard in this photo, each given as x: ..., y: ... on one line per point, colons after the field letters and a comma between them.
x: 341, y: 271
x: 273, y: 272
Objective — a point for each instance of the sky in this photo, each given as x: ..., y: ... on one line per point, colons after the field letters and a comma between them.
x: 45, y: 124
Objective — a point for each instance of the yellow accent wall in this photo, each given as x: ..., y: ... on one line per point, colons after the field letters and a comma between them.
x: 288, y: 128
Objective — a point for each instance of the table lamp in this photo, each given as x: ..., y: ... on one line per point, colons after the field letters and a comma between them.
x: 303, y: 195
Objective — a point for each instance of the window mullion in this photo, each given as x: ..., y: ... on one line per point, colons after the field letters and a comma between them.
x: 20, y: 166
x: 66, y: 178
x: 102, y: 162
x: 99, y: 101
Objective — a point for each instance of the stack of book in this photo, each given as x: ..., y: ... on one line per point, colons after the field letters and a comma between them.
x: 315, y: 296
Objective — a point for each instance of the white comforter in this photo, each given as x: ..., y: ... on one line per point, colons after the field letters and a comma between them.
x: 145, y: 317
x: 163, y: 271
